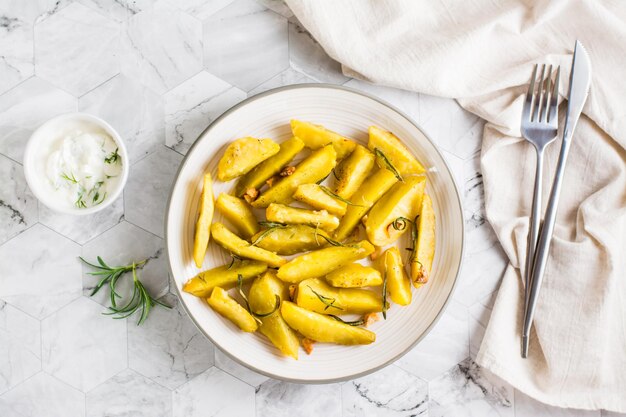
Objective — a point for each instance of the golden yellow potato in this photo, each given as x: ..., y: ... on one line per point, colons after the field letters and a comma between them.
x: 354, y: 276
x: 353, y: 170
x: 322, y: 328
x: 234, y: 244
x: 316, y: 196
x: 224, y: 276
x: 280, y: 213
x: 398, y: 284
x: 224, y: 304
x: 203, y: 225
x: 262, y: 299
x: 322, y: 261
x: 316, y: 295
x: 292, y: 239
x: 244, y: 154
x: 315, y: 136
x: 314, y: 168
x: 397, y: 154
x: 422, y: 260
x: 390, y: 217
x: 270, y: 167
x: 239, y: 213
x: 368, y: 193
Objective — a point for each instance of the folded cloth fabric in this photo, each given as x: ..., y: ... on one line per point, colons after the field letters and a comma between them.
x: 481, y: 52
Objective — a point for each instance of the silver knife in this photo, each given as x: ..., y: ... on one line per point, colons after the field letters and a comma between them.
x: 579, y: 82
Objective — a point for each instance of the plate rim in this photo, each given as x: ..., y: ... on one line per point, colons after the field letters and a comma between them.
x: 456, y: 192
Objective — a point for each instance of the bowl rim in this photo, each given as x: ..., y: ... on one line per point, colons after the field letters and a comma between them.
x: 29, y: 171
x: 456, y: 192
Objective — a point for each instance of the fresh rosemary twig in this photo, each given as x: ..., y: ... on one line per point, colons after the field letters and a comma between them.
x: 140, y: 299
x: 256, y: 316
x: 400, y: 223
x: 328, y: 301
x: 272, y: 226
x: 360, y: 322
x: 113, y: 158
x: 380, y: 154
x: 69, y: 178
x: 338, y: 197
x: 232, y: 262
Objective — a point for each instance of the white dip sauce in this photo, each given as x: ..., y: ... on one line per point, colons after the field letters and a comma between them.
x: 82, y: 167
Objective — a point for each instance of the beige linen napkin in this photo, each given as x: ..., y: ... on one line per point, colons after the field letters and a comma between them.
x: 481, y: 52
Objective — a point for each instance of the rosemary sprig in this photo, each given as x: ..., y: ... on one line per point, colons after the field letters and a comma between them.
x: 328, y: 301
x: 413, y: 239
x: 266, y: 232
x: 338, y: 197
x: 113, y: 158
x: 69, y: 178
x: 232, y: 262
x: 271, y: 224
x: 139, y: 300
x: 256, y: 316
x: 360, y: 322
x: 385, y: 291
x: 380, y: 154
x: 400, y: 223
x: 80, y: 203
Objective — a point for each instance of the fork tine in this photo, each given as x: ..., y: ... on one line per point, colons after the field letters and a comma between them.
x: 529, y: 96
x: 537, y: 101
x: 554, y: 100
x: 543, y: 114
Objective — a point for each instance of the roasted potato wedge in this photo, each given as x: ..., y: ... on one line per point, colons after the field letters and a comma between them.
x: 203, y: 225
x: 280, y: 213
x: 398, y: 283
x: 322, y: 261
x: 390, y: 217
x: 316, y: 295
x: 316, y: 136
x: 354, y: 276
x: 352, y: 171
x: 292, y: 239
x: 270, y: 167
x: 322, y: 328
x: 223, y: 276
x: 320, y: 198
x: 393, y: 149
x: 368, y: 193
x: 262, y: 299
x: 239, y: 213
x: 244, y: 154
x: 314, y: 168
x: 234, y: 244
x: 224, y: 304
x: 422, y: 260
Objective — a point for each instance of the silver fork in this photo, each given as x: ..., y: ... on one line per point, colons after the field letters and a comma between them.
x: 539, y: 127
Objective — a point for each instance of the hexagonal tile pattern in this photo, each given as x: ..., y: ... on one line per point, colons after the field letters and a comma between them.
x: 135, y: 111
x: 26, y: 107
x: 122, y: 245
x: 168, y: 348
x: 193, y: 105
x: 278, y: 6
x: 248, y: 376
x: 199, y: 398
x: 282, y: 399
x: 18, y: 206
x: 129, y: 394
x: 20, y: 346
x: 445, y: 346
x: 287, y: 77
x: 118, y: 9
x: 308, y: 57
x: 161, y: 47
x: 390, y: 392
x: 469, y: 390
x: 528, y: 407
x: 16, y: 44
x: 81, y: 37
x: 43, y: 395
x: 148, y: 186
x: 81, y: 346
x: 47, y: 275
x: 246, y: 44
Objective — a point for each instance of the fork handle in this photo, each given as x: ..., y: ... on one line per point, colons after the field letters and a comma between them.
x: 543, y: 245
x: 533, y: 229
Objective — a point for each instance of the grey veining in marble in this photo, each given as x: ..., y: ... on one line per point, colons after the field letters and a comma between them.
x: 18, y: 206
x: 283, y: 399
x: 16, y: 44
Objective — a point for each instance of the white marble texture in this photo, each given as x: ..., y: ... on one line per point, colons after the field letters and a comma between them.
x: 159, y: 71
x: 161, y: 47
x: 168, y: 348
x: 245, y: 44
x: 134, y: 110
x: 191, y: 106
x: 82, y: 36
x: 81, y: 346
x: 199, y: 397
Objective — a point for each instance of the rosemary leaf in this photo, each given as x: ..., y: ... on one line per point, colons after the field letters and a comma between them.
x: 380, y: 154
x: 338, y: 197
x: 328, y: 301
x: 360, y: 322
x: 400, y: 223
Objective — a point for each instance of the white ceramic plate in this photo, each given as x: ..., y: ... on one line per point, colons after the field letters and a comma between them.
x: 350, y: 113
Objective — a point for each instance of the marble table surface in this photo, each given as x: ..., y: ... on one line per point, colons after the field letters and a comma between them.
x: 159, y: 72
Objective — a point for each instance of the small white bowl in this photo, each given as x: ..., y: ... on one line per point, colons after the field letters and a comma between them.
x: 39, y: 143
